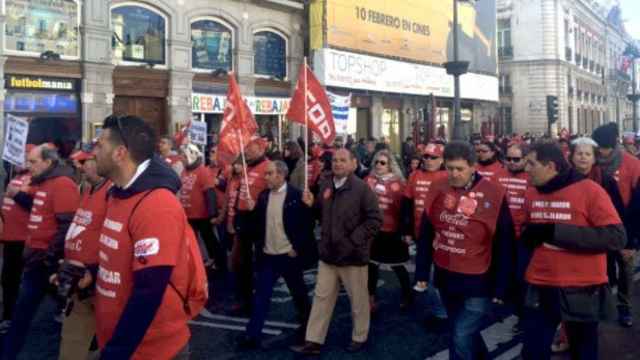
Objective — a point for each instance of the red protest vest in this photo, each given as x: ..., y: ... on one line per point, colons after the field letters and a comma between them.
x: 583, y: 203
x: 155, y: 234
x: 257, y: 183
x: 81, y: 242
x: 53, y: 196
x: 192, y: 193
x: 627, y: 176
x: 172, y: 159
x: 516, y: 186
x: 417, y: 189
x: 491, y: 172
x: 465, y: 223
x: 389, y: 194
x: 15, y: 217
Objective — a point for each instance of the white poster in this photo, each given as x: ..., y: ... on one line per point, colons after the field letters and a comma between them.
x: 340, y: 106
x: 356, y: 71
x: 198, y: 133
x: 15, y: 140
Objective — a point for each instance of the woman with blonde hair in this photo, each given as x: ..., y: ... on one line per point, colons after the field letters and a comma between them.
x: 387, y: 181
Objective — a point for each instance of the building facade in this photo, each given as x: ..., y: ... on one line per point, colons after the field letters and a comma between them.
x: 390, y: 56
x: 66, y: 65
x: 571, y: 49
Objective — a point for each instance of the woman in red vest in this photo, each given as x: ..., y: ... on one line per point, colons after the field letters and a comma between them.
x: 388, y: 248
x: 488, y: 166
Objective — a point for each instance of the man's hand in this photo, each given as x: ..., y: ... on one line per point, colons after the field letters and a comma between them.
x: 307, y: 198
x: 11, y: 191
x: 251, y: 204
x: 407, y: 239
x: 86, y: 280
x: 292, y: 254
x: 497, y: 301
x: 627, y: 254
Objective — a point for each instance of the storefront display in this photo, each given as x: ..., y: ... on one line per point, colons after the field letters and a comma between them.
x: 36, y: 26
x: 51, y: 105
x: 138, y: 35
x: 211, y: 45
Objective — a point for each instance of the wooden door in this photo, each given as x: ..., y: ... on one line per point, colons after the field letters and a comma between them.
x: 152, y: 110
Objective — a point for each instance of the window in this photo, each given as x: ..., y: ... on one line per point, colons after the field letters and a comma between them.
x: 270, y: 54
x: 212, y: 45
x: 505, y: 84
x: 504, y: 38
x: 138, y: 34
x: 34, y: 27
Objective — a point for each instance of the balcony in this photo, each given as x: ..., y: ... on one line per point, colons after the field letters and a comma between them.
x: 567, y: 54
x: 505, y: 53
x: 578, y: 59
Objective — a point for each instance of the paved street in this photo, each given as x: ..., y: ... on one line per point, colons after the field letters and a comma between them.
x: 394, y: 334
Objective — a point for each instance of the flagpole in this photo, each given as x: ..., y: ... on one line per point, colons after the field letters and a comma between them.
x: 306, y: 130
x: 244, y: 164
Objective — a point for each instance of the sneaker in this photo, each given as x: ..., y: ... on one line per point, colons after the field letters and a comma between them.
x: 355, y: 346
x: 4, y: 326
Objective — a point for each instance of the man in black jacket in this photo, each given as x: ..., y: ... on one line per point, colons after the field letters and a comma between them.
x: 467, y: 231
x: 349, y: 218
x: 571, y: 224
x: 285, y: 247
x: 52, y: 199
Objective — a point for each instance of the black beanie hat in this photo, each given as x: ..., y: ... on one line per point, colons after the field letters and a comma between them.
x: 606, y: 135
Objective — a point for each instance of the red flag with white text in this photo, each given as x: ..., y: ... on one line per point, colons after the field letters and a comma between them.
x: 238, y: 125
x: 318, y: 108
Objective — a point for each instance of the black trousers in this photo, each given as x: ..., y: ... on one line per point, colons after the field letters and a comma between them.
x: 400, y: 271
x: 216, y: 251
x: 12, y: 265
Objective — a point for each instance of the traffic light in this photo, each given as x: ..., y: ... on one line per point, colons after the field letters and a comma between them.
x: 552, y: 108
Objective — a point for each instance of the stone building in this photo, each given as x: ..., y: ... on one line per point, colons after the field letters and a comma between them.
x: 571, y: 49
x: 67, y: 64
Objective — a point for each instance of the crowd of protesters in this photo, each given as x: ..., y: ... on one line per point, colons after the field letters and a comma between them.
x: 121, y: 237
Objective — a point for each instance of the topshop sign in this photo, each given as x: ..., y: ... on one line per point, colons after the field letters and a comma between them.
x: 355, y: 71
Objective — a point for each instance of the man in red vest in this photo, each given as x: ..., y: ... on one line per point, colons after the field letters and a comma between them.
x: 467, y: 232
x: 144, y: 275
x: 244, y: 224
x: 80, y: 257
x: 488, y: 165
x: 13, y: 233
x: 625, y: 169
x: 571, y: 224
x: 51, y: 198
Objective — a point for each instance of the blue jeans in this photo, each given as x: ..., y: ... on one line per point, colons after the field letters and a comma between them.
x: 467, y: 316
x: 270, y: 269
x: 33, y: 290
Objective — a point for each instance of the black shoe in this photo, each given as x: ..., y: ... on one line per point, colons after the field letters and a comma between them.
x: 624, y: 317
x: 246, y: 343
x: 308, y: 348
x: 355, y: 346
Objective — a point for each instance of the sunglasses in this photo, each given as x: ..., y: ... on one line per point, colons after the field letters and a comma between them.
x: 513, y: 159
x: 431, y: 157
x: 381, y: 162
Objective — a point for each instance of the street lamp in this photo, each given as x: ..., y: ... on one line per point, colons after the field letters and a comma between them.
x: 456, y: 68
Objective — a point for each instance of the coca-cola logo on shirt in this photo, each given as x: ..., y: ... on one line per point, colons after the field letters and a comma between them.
x: 467, y: 206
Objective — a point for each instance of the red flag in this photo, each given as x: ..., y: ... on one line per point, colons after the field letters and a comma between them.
x: 238, y: 125
x: 318, y: 108
x: 182, y: 135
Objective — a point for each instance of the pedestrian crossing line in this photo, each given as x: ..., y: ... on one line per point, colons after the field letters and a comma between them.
x: 232, y: 327
x: 207, y: 314
x: 511, y: 354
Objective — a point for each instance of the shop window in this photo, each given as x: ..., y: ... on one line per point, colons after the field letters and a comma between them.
x: 212, y: 44
x: 37, y: 27
x: 139, y: 35
x: 270, y: 54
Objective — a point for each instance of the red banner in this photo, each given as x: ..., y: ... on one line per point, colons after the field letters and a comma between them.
x: 318, y: 108
x: 238, y: 125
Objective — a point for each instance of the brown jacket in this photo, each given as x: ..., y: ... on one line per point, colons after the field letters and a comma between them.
x: 350, y: 219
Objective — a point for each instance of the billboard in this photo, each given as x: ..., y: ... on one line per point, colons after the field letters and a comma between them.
x: 415, y: 30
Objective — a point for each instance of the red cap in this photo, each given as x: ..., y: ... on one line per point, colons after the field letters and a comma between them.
x: 81, y: 155
x: 433, y: 150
